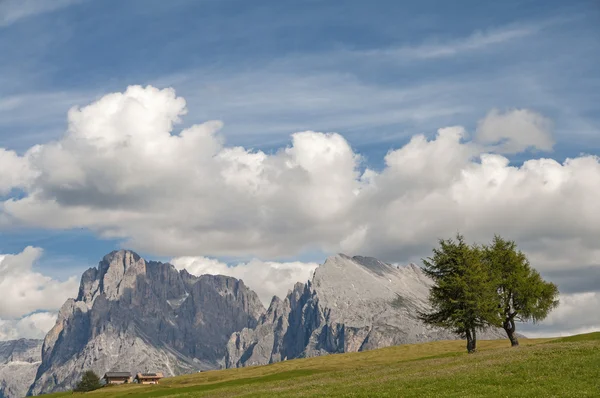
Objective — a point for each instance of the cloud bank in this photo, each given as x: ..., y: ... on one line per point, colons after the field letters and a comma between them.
x: 267, y: 279
x: 515, y: 131
x: 121, y: 170
x: 124, y: 171
x: 34, y: 326
x: 30, y: 299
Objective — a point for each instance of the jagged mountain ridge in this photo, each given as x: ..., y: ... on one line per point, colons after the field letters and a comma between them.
x: 135, y: 315
x: 19, y: 360
x: 351, y: 304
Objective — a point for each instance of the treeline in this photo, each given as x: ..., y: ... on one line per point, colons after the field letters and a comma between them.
x: 481, y: 286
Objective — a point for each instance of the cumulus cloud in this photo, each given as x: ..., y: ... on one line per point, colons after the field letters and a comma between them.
x: 25, y: 291
x: 120, y: 169
x: 123, y: 171
x: 16, y: 174
x: 267, y: 279
x: 577, y: 313
x: 28, y: 290
x: 34, y: 326
x: 515, y: 131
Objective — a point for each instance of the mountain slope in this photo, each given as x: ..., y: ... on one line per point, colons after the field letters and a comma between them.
x: 351, y: 304
x: 19, y: 360
x: 134, y: 315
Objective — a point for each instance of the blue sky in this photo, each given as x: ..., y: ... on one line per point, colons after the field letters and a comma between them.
x: 378, y: 72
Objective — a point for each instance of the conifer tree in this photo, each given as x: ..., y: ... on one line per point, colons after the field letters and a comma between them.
x: 522, y: 294
x: 89, y: 382
x: 463, y: 297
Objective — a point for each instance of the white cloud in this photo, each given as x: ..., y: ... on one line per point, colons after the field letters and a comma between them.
x: 122, y: 171
x: 267, y: 279
x: 515, y: 130
x: 34, y: 326
x: 577, y: 313
x: 477, y: 41
x: 25, y: 291
x: 12, y: 11
x: 19, y: 173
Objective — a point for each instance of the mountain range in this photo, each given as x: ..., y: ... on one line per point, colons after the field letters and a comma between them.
x: 136, y: 315
x: 19, y: 361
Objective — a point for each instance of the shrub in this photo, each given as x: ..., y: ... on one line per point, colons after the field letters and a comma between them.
x: 89, y: 382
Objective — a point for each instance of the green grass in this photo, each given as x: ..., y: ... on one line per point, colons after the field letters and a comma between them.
x: 565, y: 367
x: 579, y: 337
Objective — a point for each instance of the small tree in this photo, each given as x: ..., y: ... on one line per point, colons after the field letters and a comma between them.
x: 522, y: 294
x: 89, y: 382
x: 463, y: 297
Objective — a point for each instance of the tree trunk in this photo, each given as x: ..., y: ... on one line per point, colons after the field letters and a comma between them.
x: 471, y: 341
x: 509, y: 327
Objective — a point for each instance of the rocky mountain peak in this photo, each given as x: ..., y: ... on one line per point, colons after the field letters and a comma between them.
x: 117, y: 272
x: 137, y: 315
x: 352, y: 304
x: 123, y: 257
x: 372, y: 264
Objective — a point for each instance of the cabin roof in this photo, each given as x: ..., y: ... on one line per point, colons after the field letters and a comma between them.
x: 149, y: 375
x: 117, y: 374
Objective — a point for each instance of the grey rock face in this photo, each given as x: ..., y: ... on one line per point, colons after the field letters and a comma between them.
x: 19, y: 361
x: 133, y: 315
x: 351, y: 304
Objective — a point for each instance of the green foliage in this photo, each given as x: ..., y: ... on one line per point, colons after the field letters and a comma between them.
x: 523, y: 295
x: 494, y: 285
x: 89, y: 382
x: 463, y: 296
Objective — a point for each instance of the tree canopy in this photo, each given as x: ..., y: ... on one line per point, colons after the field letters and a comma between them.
x: 463, y: 297
x: 481, y: 286
x: 89, y: 382
x: 522, y: 293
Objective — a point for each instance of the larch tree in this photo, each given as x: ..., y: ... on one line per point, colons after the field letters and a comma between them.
x: 522, y: 294
x: 463, y: 297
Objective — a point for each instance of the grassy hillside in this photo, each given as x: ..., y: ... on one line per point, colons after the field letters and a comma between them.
x: 567, y: 367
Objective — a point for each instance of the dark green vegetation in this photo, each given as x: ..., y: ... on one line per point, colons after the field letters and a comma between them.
x: 463, y: 296
x: 89, y: 382
x: 488, y: 286
x: 567, y: 367
x: 522, y: 293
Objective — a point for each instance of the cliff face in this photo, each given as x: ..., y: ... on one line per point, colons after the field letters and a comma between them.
x: 351, y: 304
x: 133, y: 315
x: 19, y: 361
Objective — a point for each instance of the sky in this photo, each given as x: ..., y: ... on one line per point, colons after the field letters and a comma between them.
x: 256, y: 138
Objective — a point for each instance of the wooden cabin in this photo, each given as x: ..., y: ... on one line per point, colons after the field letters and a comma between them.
x: 117, y: 377
x: 148, y: 378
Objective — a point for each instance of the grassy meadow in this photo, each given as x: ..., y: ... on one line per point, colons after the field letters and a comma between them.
x: 561, y: 367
